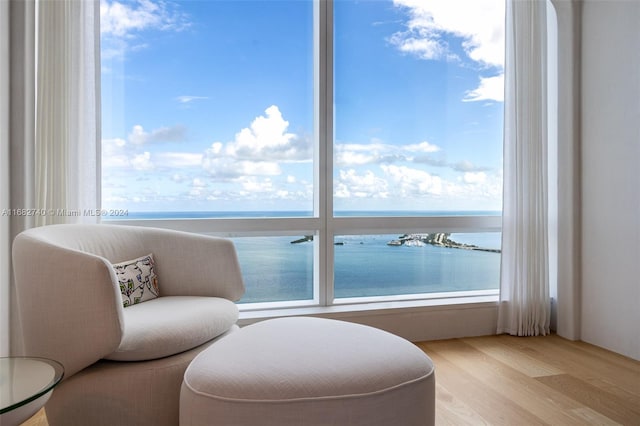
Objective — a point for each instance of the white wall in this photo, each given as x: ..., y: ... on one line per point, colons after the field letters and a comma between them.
x: 610, y: 315
x: 566, y: 304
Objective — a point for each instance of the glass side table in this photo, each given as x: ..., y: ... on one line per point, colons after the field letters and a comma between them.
x: 25, y: 386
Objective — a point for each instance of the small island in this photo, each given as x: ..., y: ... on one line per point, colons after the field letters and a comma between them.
x: 439, y: 239
x: 304, y: 239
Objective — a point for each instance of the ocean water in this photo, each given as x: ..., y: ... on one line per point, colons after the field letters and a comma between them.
x: 293, y: 213
x: 365, y: 265
x: 274, y: 269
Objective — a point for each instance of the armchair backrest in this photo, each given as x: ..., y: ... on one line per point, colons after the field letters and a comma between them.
x: 68, y: 299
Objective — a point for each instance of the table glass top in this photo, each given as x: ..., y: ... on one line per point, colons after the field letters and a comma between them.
x: 24, y: 379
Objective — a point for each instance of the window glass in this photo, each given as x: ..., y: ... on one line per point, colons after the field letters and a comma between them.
x: 389, y: 264
x: 208, y: 106
x: 418, y: 105
x: 276, y: 269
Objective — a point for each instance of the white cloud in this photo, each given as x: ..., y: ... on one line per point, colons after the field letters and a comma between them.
x: 121, y: 23
x: 142, y: 161
x: 258, y: 168
x: 198, y: 183
x: 252, y: 186
x: 468, y: 166
x: 418, y: 44
x: 345, y: 157
x: 179, y: 178
x: 474, y: 177
x: 490, y: 89
x: 258, y: 150
x: 139, y: 136
x: 409, y: 183
x: 413, y: 182
x: 351, y: 155
x: 178, y: 159
x: 118, y: 153
x: 245, y: 188
x: 267, y: 139
x: 216, y: 148
x: 479, y: 22
x: 481, y: 186
x: 196, y: 192
x: 225, y: 167
x: 423, y: 147
x: 123, y: 20
x: 198, y: 188
x: 114, y: 153
x: 189, y: 99
x: 225, y: 171
x: 368, y: 185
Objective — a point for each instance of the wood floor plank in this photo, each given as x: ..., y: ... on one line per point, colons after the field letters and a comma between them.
x: 451, y: 410
x: 485, y: 402
x: 603, y: 354
x: 595, y: 398
x: 592, y: 417
x: 611, y: 372
x: 550, y: 406
x: 507, y: 354
x: 561, y: 354
x: 38, y: 419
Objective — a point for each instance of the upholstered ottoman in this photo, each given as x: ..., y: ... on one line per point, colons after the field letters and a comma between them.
x: 309, y: 372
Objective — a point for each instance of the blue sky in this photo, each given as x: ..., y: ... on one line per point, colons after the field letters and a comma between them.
x: 208, y: 105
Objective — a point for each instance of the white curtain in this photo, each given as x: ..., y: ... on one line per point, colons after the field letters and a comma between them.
x: 67, y: 119
x: 524, y: 284
x: 5, y: 193
x: 49, y: 127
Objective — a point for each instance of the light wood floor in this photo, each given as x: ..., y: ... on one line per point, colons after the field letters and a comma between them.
x: 504, y: 380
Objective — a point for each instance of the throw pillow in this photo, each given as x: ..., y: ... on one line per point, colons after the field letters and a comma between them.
x: 137, y: 279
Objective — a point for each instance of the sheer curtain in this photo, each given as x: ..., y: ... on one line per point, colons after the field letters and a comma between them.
x: 49, y: 126
x: 67, y: 129
x: 524, y: 284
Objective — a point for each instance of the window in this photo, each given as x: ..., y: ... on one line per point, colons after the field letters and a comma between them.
x: 351, y: 149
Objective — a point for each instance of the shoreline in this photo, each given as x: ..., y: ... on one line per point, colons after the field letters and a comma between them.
x: 438, y: 239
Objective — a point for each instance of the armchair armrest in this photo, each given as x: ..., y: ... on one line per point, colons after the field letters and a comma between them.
x: 69, y: 304
x: 190, y: 264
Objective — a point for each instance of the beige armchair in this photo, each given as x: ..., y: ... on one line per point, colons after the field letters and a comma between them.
x: 123, y: 366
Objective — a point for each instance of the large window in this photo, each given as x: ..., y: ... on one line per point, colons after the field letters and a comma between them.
x: 351, y: 149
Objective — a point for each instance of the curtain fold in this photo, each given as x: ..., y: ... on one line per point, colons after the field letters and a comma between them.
x: 5, y: 193
x: 67, y: 111
x: 17, y: 149
x: 524, y: 308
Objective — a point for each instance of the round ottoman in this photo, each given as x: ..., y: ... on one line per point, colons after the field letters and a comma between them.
x: 309, y: 371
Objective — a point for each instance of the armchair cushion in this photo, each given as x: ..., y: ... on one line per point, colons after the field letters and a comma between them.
x: 137, y: 280
x: 169, y: 325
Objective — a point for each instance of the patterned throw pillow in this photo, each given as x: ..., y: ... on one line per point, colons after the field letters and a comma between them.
x: 138, y: 280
